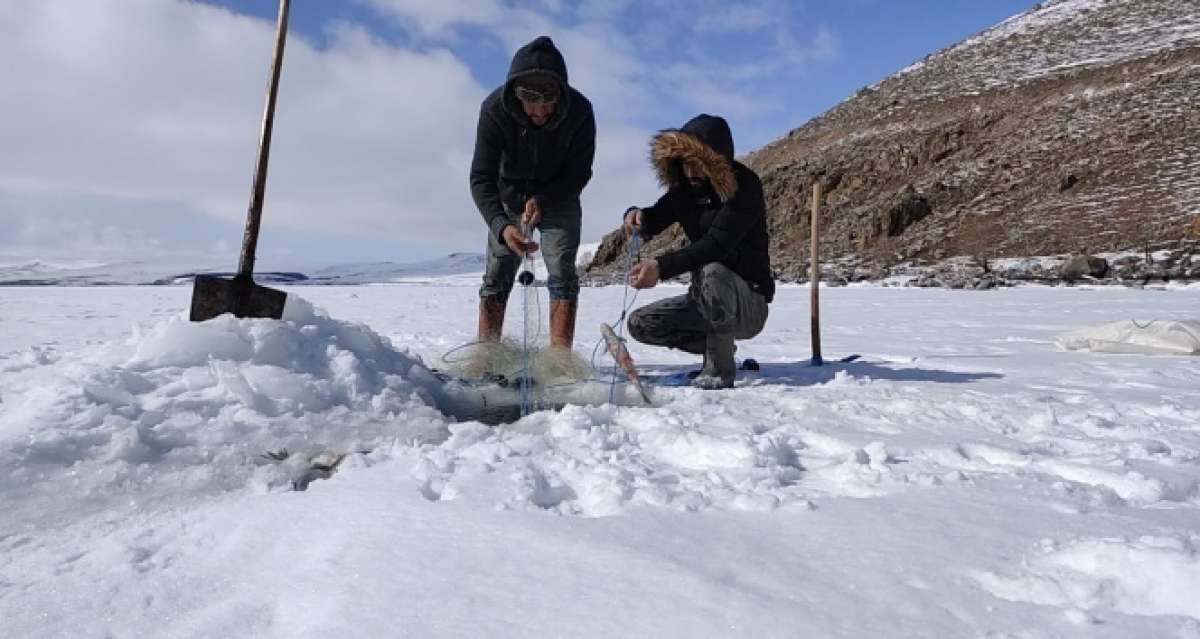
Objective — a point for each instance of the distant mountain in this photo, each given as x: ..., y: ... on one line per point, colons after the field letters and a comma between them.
x: 454, y: 264
x: 455, y: 268
x: 41, y: 272
x: 1069, y: 128
x: 100, y: 273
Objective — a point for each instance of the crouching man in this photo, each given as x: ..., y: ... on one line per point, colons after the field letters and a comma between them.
x: 719, y: 204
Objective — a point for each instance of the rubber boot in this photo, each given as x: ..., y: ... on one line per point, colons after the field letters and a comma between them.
x: 491, y: 326
x: 562, y: 323
x: 491, y: 318
x: 558, y: 361
x: 703, y: 364
x: 719, y: 368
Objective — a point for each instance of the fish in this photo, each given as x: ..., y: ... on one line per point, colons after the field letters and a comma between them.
x: 620, y: 354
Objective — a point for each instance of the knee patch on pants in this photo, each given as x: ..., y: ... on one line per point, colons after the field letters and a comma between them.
x: 718, y: 296
x: 637, y: 325
x: 562, y: 288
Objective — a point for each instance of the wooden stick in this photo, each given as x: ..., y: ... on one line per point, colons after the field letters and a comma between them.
x: 815, y: 274
x: 259, y: 188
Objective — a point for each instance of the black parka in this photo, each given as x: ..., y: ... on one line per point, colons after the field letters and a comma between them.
x: 514, y: 160
x: 724, y: 222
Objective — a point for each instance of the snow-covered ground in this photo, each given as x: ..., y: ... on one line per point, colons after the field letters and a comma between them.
x: 964, y: 478
x: 455, y: 268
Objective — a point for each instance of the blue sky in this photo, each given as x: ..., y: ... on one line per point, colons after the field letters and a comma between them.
x: 135, y: 121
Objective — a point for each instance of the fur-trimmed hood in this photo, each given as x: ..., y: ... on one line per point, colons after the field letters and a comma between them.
x: 706, y: 139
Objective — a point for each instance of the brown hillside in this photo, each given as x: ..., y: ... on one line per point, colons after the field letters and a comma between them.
x: 1071, y: 127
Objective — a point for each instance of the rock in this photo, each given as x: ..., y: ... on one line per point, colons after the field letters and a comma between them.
x: 985, y: 283
x: 1125, y: 271
x: 1080, y: 266
x: 912, y: 208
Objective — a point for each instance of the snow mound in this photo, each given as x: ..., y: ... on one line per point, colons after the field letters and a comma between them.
x: 1150, y: 575
x: 1156, y: 337
x: 195, y: 405
x: 180, y: 408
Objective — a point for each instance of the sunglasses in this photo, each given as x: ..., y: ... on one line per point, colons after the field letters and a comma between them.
x: 533, y: 96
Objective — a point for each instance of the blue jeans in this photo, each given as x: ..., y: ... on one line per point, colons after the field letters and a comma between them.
x: 560, y: 227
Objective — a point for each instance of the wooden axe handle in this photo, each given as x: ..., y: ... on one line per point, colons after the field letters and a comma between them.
x: 258, y: 189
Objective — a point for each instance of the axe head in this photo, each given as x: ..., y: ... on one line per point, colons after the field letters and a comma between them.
x: 213, y: 296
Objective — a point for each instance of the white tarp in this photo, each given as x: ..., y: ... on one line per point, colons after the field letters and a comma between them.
x: 1154, y: 337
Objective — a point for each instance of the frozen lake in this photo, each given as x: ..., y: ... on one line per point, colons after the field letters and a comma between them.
x: 963, y: 478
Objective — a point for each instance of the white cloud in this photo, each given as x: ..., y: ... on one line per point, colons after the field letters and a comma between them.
x: 738, y: 18
x: 161, y: 100
x: 436, y: 19
x: 67, y: 237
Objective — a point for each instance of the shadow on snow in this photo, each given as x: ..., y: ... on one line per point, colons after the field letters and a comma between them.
x: 805, y: 374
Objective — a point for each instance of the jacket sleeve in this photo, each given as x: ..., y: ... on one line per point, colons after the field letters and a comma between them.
x: 577, y: 171
x: 485, y: 174
x: 657, y: 217
x: 733, y: 221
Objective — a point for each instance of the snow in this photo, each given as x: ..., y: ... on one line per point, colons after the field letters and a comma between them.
x: 1051, y: 38
x: 452, y: 269
x: 965, y: 477
x: 23, y: 271
x: 1173, y: 337
x: 455, y: 268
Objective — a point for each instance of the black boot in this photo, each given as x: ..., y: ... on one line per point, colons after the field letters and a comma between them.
x: 719, y: 368
x: 704, y: 363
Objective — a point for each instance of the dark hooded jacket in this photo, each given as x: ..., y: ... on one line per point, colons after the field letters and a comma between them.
x: 515, y: 160
x: 726, y: 221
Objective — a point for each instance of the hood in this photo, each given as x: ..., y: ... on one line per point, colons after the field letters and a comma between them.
x: 539, y: 56
x: 706, y: 139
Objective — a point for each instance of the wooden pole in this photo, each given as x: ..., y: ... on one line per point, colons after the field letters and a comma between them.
x: 815, y: 274
x: 259, y: 188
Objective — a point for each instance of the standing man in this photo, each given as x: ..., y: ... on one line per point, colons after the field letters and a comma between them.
x: 533, y: 156
x: 719, y: 203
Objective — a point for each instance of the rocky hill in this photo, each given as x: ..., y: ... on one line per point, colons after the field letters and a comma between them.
x: 1071, y: 128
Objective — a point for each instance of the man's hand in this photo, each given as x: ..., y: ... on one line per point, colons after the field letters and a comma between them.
x: 644, y: 274
x: 532, y: 215
x: 517, y: 242
x: 633, y: 221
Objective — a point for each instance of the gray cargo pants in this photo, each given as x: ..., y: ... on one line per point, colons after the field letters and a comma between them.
x: 559, y: 246
x: 718, y: 301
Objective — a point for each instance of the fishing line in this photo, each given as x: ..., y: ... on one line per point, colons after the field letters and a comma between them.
x: 526, y: 279
x: 626, y: 303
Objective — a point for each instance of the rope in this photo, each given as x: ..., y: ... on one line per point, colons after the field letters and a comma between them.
x: 527, y: 402
x: 526, y: 399
x: 461, y: 347
x: 626, y: 303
